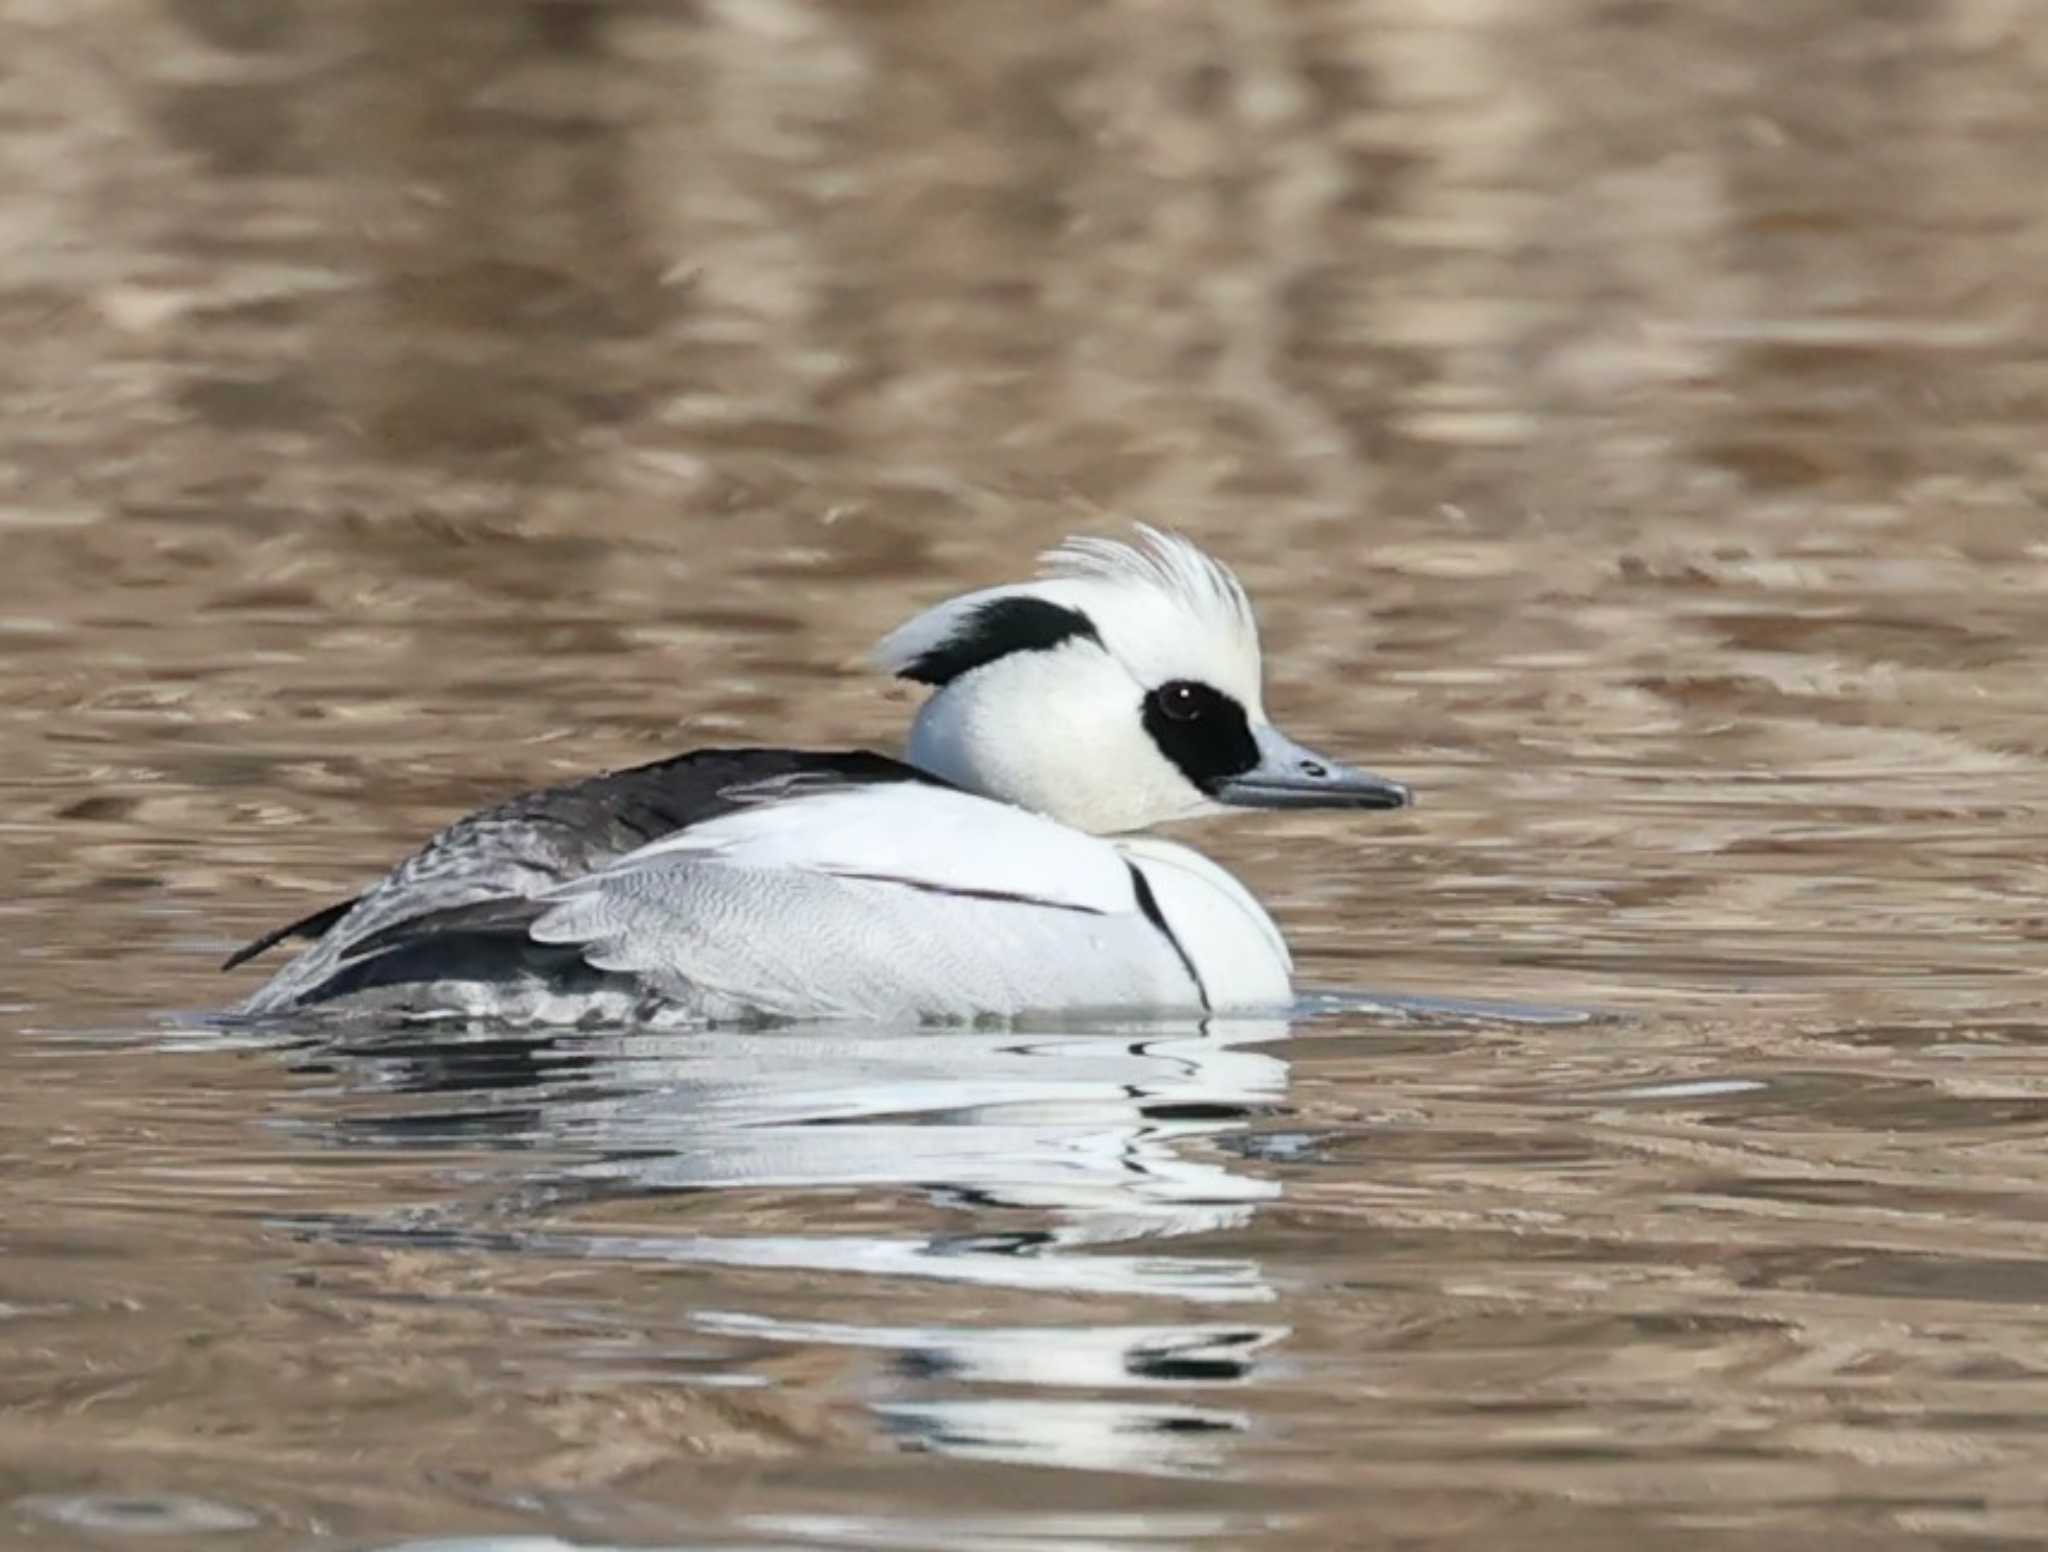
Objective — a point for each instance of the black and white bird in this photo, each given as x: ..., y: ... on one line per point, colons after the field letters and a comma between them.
x: 990, y: 874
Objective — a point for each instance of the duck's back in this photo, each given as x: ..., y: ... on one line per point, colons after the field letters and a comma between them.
x: 512, y: 852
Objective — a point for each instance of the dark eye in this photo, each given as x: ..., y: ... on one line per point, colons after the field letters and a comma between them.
x: 1181, y: 701
x: 1201, y: 730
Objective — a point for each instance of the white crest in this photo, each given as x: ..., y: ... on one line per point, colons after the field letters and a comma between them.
x: 1162, y: 607
x: 1042, y: 686
x: 1171, y: 566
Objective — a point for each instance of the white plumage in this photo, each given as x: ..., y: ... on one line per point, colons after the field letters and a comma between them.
x: 987, y: 877
x: 1163, y: 608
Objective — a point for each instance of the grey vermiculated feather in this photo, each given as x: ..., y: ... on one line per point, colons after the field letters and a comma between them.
x: 697, y: 927
x: 539, y: 840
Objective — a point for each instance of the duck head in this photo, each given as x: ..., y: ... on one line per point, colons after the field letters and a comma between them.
x: 1120, y: 689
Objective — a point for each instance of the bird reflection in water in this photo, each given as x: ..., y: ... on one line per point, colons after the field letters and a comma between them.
x: 1094, y: 1140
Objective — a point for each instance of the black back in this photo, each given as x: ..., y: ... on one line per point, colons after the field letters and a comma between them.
x: 554, y: 834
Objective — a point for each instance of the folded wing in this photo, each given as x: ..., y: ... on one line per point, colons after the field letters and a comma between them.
x: 872, y: 902
x: 456, y: 905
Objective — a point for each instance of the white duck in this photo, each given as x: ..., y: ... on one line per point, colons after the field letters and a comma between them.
x: 980, y: 879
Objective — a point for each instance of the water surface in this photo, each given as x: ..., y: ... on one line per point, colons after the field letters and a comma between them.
x: 1627, y: 417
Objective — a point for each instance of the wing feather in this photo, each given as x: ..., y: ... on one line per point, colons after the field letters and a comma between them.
x: 875, y: 901
x: 931, y: 838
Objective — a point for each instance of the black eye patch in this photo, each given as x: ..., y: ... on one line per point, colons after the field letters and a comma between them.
x: 1204, y: 732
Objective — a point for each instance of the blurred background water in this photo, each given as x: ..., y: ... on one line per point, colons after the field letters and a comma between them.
x: 1627, y: 415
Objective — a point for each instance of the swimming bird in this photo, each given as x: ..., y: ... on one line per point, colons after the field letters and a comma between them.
x: 993, y: 873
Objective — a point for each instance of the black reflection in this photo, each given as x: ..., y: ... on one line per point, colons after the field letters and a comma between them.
x: 1221, y: 1358
x: 416, y: 1066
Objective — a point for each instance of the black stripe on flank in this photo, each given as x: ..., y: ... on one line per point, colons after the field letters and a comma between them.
x: 1001, y: 896
x: 1149, y: 904
x: 996, y: 629
x: 513, y: 916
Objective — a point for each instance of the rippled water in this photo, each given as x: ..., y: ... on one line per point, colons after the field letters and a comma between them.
x: 1628, y: 417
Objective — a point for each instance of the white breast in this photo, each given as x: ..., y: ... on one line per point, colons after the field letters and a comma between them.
x: 1237, y: 952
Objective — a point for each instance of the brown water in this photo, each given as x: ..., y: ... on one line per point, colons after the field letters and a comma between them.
x: 1628, y: 416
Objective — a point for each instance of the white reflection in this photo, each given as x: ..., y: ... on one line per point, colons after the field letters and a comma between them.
x: 1102, y: 1137
x: 1076, y: 1435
